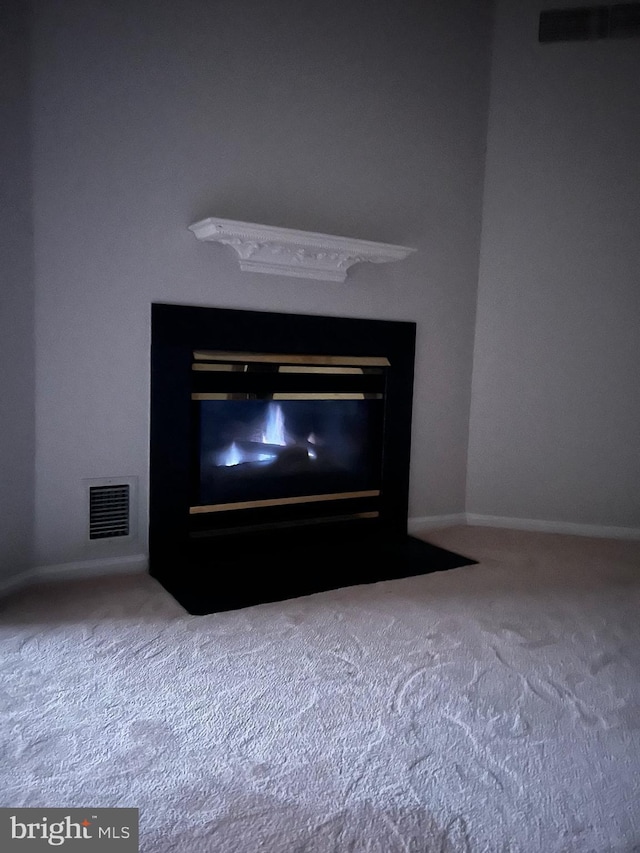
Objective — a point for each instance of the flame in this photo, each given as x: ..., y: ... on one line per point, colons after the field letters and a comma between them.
x: 273, y: 431
x: 269, y: 435
x: 230, y: 456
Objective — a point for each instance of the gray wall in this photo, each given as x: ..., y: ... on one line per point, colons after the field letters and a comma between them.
x: 16, y: 297
x: 355, y: 118
x: 556, y: 390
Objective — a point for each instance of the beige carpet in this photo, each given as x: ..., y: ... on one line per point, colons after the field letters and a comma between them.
x: 494, y: 707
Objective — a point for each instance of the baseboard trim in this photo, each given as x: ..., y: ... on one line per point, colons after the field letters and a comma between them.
x: 76, y: 571
x: 432, y: 522
x: 16, y: 582
x: 93, y: 568
x: 140, y: 562
x: 535, y: 524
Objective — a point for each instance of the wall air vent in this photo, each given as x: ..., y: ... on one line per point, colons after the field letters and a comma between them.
x: 110, y: 508
x: 588, y: 23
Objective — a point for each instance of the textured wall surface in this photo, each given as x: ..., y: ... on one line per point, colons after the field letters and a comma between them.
x: 556, y: 397
x: 360, y: 119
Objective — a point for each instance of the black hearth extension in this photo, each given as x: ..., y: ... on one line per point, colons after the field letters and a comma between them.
x: 279, y: 455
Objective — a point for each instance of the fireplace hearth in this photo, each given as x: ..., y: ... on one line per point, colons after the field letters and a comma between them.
x: 279, y: 455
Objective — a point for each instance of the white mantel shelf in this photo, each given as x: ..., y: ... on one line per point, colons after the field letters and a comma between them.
x: 303, y: 254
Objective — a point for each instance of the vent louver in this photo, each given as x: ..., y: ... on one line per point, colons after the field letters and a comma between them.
x: 621, y: 20
x: 109, y: 511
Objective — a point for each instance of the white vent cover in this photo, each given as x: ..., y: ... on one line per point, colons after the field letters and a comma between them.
x: 110, y: 502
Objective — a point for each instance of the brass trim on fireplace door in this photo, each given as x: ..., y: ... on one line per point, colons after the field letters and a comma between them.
x: 241, y: 395
x: 239, y: 367
x: 221, y: 395
x: 308, y: 368
x: 302, y: 499
x: 291, y: 358
x: 325, y: 396
x: 220, y: 367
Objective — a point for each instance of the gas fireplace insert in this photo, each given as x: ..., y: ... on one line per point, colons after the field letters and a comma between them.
x: 279, y: 459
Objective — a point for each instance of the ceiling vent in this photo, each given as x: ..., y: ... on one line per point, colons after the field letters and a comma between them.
x: 590, y: 23
x: 110, y: 503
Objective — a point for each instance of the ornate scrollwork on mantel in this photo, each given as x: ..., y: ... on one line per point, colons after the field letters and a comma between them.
x: 303, y: 254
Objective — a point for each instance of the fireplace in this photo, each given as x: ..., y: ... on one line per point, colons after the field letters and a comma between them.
x: 279, y: 458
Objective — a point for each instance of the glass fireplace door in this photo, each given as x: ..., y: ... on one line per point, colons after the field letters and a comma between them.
x: 277, y: 430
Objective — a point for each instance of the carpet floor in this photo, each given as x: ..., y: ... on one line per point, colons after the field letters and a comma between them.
x: 493, y: 707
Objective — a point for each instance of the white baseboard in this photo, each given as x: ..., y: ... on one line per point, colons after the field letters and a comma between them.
x: 93, y: 568
x: 75, y: 571
x: 536, y: 524
x: 16, y: 582
x: 140, y: 562
x: 432, y: 522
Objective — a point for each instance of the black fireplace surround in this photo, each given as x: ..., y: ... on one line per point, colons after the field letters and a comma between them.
x: 279, y: 456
